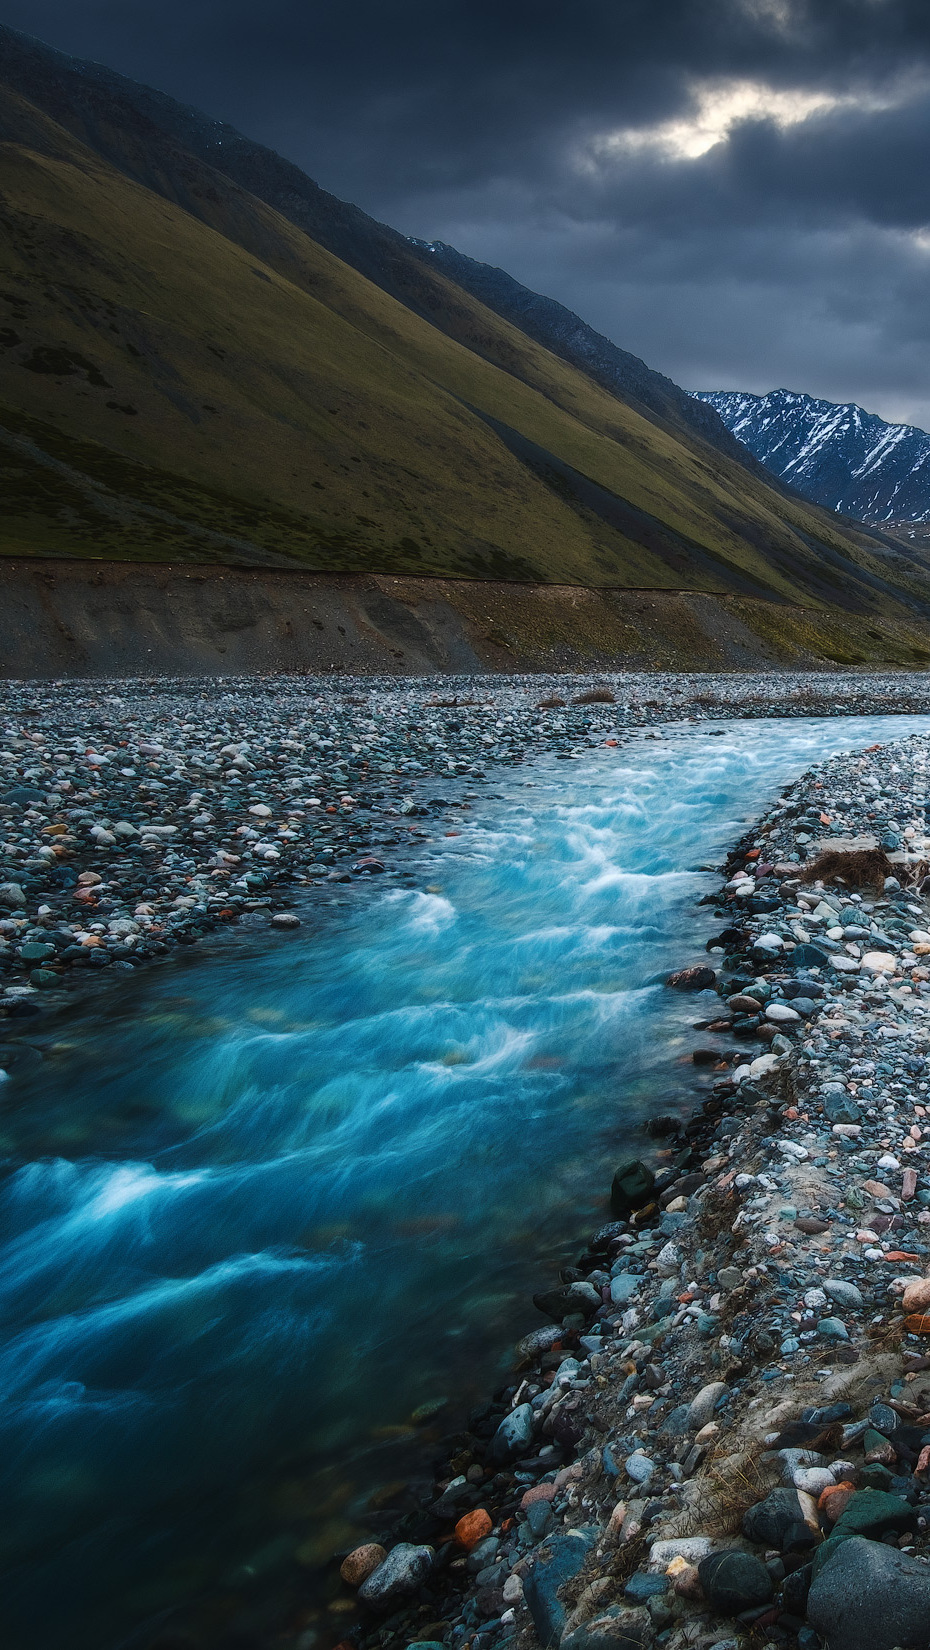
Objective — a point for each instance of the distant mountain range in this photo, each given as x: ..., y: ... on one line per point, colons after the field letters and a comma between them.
x: 206, y: 357
x: 835, y: 455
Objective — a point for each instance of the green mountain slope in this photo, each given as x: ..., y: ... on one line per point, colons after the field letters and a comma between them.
x: 186, y: 374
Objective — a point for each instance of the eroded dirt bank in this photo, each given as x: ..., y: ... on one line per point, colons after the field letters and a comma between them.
x: 88, y: 618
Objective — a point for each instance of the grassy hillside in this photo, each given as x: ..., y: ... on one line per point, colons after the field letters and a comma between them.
x: 195, y: 378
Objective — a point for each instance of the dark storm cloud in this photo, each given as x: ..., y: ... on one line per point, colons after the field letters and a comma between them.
x: 735, y: 189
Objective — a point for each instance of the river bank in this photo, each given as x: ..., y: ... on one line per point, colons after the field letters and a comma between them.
x: 137, y: 820
x: 732, y: 1383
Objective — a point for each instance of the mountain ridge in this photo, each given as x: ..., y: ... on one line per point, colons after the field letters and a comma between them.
x: 834, y: 453
x: 81, y: 96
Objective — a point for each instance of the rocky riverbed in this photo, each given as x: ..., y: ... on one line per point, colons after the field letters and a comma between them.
x: 138, y: 820
x: 718, y: 1434
x: 715, y: 1430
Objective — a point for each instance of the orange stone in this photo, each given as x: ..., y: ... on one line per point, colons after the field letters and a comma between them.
x: 834, y: 1500
x: 916, y: 1297
x: 362, y: 1563
x: 917, y: 1324
x: 473, y: 1528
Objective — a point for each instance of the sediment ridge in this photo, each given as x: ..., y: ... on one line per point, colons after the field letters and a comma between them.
x: 84, y: 618
x: 718, y: 1434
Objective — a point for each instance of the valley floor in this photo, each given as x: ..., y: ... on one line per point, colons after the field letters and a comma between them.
x: 141, y: 815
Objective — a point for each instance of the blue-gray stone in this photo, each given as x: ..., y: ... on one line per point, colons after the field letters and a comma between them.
x: 513, y: 1437
x: 734, y: 1581
x: 617, y: 1628
x: 843, y: 1293
x: 559, y: 1560
x: 623, y: 1287
x: 401, y: 1573
x: 642, y: 1585
x: 871, y: 1597
x: 539, y: 1519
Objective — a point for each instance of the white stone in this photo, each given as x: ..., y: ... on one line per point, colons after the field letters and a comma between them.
x: 780, y: 1012
x: 765, y: 1063
x: 813, y: 1480
x: 692, y: 1548
x: 878, y: 962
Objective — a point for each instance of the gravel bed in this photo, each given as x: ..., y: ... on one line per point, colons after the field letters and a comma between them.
x: 134, y: 821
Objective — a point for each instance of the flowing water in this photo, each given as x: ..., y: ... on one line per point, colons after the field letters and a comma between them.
x: 264, y: 1202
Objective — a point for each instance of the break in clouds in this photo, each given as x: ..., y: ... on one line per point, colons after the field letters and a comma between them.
x: 737, y: 190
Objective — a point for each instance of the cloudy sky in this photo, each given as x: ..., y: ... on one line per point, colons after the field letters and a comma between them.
x: 737, y: 190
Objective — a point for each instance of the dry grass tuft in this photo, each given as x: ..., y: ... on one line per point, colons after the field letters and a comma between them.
x: 887, y: 1336
x: 595, y: 696
x: 865, y: 868
x: 718, y: 1212
x: 727, y: 1488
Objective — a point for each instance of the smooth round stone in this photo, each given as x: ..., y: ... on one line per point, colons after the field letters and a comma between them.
x: 781, y: 1014
x: 513, y: 1437
x: 735, y: 1581
x: 362, y: 1563
x: 285, y: 919
x: 814, y: 1480
x: 473, y: 1528
x: 916, y: 1297
x: 846, y: 1294
x: 639, y: 1467
x: 833, y: 1329
x: 400, y: 1574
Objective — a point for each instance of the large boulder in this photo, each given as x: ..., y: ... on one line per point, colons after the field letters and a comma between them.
x: 557, y: 1562
x: 632, y: 1186
x: 871, y: 1597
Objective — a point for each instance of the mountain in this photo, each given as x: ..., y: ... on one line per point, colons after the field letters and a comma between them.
x: 206, y: 358
x: 835, y: 455
x: 153, y: 138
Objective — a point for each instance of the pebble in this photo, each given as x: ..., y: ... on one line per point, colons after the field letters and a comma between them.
x: 362, y: 1563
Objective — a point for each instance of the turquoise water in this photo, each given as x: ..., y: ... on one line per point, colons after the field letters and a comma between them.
x: 265, y: 1201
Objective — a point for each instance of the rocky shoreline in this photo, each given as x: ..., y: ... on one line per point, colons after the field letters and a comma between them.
x: 719, y: 1433
x: 137, y: 820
